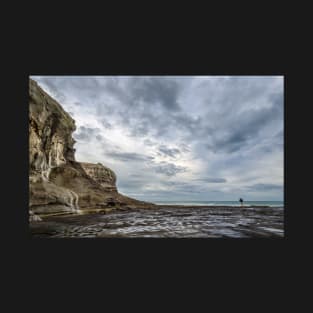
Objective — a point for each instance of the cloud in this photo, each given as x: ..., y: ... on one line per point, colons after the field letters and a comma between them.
x: 140, y: 129
x: 53, y: 89
x: 126, y: 156
x: 169, y: 169
x: 265, y: 187
x: 172, y: 152
x: 132, y: 184
x: 156, y: 90
x: 212, y: 180
x: 106, y: 124
x: 87, y: 134
x: 246, y: 126
x: 148, y: 142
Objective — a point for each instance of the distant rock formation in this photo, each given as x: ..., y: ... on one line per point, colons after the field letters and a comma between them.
x: 101, y: 174
x: 57, y: 182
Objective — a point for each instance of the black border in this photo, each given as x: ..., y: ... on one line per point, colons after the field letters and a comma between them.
x: 80, y: 261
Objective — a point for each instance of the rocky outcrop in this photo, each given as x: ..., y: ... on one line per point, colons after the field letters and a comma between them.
x: 101, y: 174
x: 57, y: 182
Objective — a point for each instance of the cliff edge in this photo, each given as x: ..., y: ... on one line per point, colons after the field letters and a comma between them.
x: 57, y: 182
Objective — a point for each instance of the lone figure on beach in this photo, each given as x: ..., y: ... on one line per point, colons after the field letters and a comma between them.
x: 241, y: 201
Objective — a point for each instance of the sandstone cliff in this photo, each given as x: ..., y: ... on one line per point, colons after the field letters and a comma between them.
x: 101, y: 174
x: 57, y: 182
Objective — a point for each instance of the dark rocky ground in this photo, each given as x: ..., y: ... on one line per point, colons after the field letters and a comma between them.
x: 167, y: 221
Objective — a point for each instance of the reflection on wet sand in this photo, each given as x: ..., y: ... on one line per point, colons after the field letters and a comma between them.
x: 177, y: 222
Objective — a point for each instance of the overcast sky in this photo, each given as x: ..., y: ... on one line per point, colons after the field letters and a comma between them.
x: 180, y: 138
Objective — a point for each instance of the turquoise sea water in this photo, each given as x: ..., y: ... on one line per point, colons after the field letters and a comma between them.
x: 224, y: 203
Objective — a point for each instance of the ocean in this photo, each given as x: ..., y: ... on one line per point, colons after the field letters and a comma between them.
x: 223, y: 203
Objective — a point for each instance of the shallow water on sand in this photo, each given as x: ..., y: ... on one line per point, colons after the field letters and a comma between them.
x: 167, y: 222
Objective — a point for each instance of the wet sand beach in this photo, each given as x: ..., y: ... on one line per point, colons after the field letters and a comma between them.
x: 167, y: 221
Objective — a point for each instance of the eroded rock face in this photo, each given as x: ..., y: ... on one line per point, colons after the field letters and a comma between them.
x: 57, y: 182
x: 101, y: 174
x: 50, y: 147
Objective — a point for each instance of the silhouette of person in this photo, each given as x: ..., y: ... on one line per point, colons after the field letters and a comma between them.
x: 241, y: 201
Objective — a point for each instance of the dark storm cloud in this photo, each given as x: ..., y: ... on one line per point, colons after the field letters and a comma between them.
x: 277, y: 99
x: 143, y: 103
x: 212, y: 180
x: 172, y: 152
x: 126, y: 156
x: 87, y: 133
x: 160, y: 90
x: 136, y: 90
x: 246, y: 126
x: 276, y: 143
x: 265, y: 187
x: 169, y: 169
x: 187, y: 123
x: 237, y: 91
x: 280, y: 135
x: 224, y: 114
